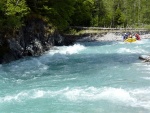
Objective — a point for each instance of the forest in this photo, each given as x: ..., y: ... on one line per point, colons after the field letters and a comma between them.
x: 61, y: 14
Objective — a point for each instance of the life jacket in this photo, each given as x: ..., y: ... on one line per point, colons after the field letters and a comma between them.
x: 137, y: 37
x: 125, y: 36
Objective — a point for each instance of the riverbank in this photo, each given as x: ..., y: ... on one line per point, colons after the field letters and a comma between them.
x: 104, y: 34
x: 33, y: 39
x: 35, y: 42
x: 108, y: 37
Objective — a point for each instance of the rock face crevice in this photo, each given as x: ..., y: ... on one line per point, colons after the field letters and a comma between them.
x: 31, y: 40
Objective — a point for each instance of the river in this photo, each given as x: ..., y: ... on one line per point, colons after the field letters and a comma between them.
x: 87, y: 77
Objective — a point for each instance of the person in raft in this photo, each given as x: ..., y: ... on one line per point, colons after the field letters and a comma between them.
x: 129, y: 35
x: 137, y: 36
x: 126, y: 35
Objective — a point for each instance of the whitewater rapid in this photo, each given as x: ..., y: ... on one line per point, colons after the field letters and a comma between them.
x: 91, y: 77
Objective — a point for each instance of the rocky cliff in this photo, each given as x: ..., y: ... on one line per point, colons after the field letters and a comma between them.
x: 32, y: 40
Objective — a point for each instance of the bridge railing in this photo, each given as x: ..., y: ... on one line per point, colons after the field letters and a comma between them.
x: 103, y: 28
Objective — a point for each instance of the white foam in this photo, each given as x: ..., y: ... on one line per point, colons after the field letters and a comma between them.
x: 141, y: 42
x: 39, y: 94
x: 115, y: 94
x: 16, y: 97
x: 93, y: 94
x: 68, y: 49
x: 143, y: 98
x: 133, y: 97
x: 122, y: 50
x: 31, y: 94
x: 133, y: 50
x: 146, y: 78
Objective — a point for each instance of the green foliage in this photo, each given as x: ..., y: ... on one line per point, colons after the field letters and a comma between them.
x: 57, y: 12
x: 72, y: 31
x: 147, y: 27
x: 63, y: 13
x: 16, y: 7
x: 12, y: 13
x: 119, y: 17
x: 60, y: 13
x: 83, y: 13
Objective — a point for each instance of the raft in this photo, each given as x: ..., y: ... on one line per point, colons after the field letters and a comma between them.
x: 130, y: 40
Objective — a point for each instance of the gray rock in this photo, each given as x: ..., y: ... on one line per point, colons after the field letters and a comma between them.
x: 146, y: 58
x: 31, y: 40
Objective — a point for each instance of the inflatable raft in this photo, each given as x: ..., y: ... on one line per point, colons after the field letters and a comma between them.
x: 130, y: 40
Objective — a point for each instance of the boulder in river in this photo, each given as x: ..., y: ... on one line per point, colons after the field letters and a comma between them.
x: 146, y: 58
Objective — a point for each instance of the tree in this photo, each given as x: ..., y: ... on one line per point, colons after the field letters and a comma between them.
x: 99, y: 13
x: 56, y: 12
x: 146, y: 12
x: 63, y: 13
x: 83, y: 13
x: 13, y: 12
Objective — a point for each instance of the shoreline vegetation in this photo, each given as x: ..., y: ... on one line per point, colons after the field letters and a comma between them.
x: 98, y: 33
x: 87, y: 30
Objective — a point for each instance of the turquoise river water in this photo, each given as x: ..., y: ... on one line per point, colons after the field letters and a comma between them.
x: 88, y: 77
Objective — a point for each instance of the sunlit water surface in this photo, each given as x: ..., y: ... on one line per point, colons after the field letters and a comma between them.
x: 89, y: 77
